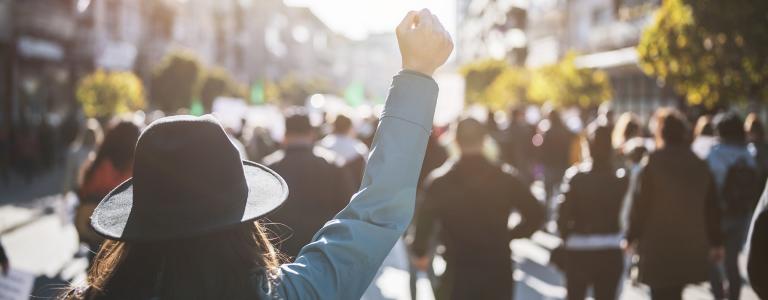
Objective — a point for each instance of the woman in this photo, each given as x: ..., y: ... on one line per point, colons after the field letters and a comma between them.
x: 593, y: 193
x: 112, y: 165
x: 183, y: 227
x: 674, y: 220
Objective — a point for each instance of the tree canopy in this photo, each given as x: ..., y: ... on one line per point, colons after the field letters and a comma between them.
x: 218, y: 82
x: 711, y: 51
x: 104, y: 94
x: 565, y: 84
x: 175, y: 80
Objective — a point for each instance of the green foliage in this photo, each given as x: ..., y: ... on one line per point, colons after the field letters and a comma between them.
x: 509, y: 88
x: 478, y: 76
x: 290, y: 90
x: 218, y: 82
x: 175, y: 80
x: 104, y: 94
x: 711, y: 51
x: 564, y: 84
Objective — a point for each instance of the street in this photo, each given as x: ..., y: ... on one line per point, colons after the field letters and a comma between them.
x: 36, y: 229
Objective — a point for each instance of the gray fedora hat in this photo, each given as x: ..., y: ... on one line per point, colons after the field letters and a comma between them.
x: 188, y: 179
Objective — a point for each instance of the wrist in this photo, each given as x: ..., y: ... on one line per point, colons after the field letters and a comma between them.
x: 424, y: 70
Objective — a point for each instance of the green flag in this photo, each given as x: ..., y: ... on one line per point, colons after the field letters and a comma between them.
x: 257, y: 93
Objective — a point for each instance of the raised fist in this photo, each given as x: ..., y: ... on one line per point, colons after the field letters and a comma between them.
x: 424, y: 43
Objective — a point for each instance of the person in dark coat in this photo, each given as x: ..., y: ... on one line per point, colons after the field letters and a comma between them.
x: 589, y: 220
x: 515, y: 143
x: 555, y: 152
x: 757, y: 255
x: 319, y: 185
x: 674, y: 220
x: 471, y: 200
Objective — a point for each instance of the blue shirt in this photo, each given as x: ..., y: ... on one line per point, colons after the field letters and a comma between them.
x: 345, y: 254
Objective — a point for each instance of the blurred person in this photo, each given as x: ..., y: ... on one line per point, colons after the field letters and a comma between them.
x: 737, y: 182
x: 320, y: 186
x: 259, y: 144
x: 703, y: 137
x: 112, y: 165
x: 435, y: 156
x: 47, y: 137
x: 589, y: 220
x: 515, y: 143
x: 80, y: 151
x: 168, y: 242
x: 674, y: 220
x: 627, y: 127
x: 25, y: 153
x: 757, y: 252
x: 471, y: 199
x: 5, y: 154
x: 757, y: 143
x: 554, y: 152
x: 342, y: 142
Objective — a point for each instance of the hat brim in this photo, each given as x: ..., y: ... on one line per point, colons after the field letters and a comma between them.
x: 266, y: 192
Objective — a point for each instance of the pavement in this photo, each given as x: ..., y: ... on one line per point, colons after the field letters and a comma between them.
x: 41, y: 241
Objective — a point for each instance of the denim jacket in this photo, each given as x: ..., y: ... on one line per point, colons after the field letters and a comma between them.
x: 345, y: 254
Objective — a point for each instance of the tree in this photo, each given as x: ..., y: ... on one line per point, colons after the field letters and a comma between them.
x: 478, y: 76
x: 218, y: 82
x: 174, y: 81
x: 565, y: 84
x: 711, y: 51
x: 104, y: 94
x: 507, y: 89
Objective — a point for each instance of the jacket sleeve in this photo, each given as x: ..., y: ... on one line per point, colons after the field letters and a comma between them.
x: 757, y: 258
x: 345, y: 254
x: 425, y: 223
x: 531, y: 211
x: 641, y: 202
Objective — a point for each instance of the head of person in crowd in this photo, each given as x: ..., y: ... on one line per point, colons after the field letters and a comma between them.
x: 670, y: 128
x: 729, y: 127
x: 91, y: 136
x: 754, y: 128
x: 605, y: 113
x: 704, y: 127
x: 600, y: 145
x: 298, y: 128
x: 552, y: 115
x: 117, y: 147
x: 627, y: 127
x: 342, y: 125
x: 470, y: 136
x: 517, y: 114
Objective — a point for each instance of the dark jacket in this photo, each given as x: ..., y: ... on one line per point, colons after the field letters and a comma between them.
x: 757, y: 263
x: 472, y: 200
x: 593, y: 197
x: 674, y: 218
x: 319, y: 189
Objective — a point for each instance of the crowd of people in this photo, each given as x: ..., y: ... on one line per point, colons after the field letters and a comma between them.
x: 172, y: 207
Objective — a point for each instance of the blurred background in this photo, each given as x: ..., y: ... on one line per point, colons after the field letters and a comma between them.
x: 69, y: 66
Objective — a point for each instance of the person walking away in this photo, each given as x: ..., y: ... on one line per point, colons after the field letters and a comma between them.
x: 674, y: 220
x: 737, y: 180
x: 343, y: 143
x: 186, y: 225
x: 757, y: 143
x: 320, y: 187
x: 471, y: 199
x: 592, y: 197
x: 85, y: 144
x: 757, y: 252
x: 515, y: 143
x: 703, y: 136
x: 554, y: 153
x: 112, y: 165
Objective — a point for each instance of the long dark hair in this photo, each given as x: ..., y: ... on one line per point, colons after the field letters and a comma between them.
x: 228, y: 264
x: 117, y: 147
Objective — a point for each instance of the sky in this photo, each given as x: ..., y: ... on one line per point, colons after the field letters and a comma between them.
x: 358, y: 18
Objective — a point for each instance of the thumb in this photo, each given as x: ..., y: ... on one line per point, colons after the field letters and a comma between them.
x: 408, y: 21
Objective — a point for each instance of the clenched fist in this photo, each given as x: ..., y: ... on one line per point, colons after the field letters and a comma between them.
x: 424, y: 43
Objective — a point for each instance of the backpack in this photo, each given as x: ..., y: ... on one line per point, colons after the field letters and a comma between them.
x: 742, y: 189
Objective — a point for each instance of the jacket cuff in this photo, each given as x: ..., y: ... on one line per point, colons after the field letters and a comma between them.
x: 412, y: 97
